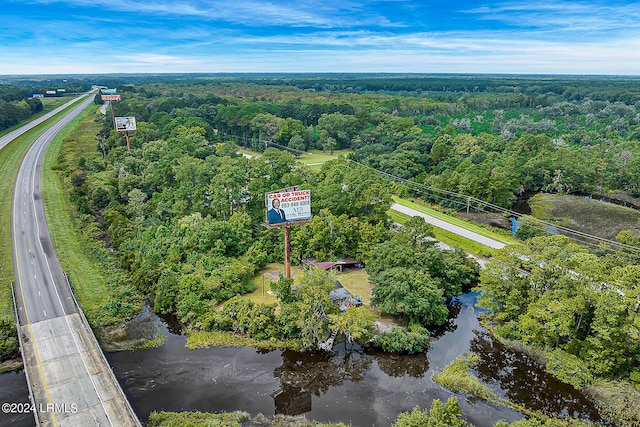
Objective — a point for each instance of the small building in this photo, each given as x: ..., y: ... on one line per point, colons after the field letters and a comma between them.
x: 322, y: 265
x: 338, y: 265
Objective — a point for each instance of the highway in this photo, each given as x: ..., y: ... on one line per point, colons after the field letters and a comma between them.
x: 4, y: 140
x: 69, y: 379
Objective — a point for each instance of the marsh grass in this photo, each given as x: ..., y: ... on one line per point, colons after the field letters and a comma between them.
x: 457, y: 377
x: 590, y: 216
x: 199, y: 339
x: 237, y: 418
x: 616, y: 400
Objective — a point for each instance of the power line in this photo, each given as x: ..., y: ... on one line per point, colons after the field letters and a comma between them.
x: 487, y: 207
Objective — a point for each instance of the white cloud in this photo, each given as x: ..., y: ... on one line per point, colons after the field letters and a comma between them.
x: 313, y: 13
x: 563, y: 16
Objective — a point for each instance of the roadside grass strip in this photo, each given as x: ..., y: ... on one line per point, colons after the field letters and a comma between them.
x: 455, y: 221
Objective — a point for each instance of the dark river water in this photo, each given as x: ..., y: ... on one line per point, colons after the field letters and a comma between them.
x: 352, y: 385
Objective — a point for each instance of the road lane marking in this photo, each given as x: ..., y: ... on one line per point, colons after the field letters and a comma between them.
x: 26, y: 313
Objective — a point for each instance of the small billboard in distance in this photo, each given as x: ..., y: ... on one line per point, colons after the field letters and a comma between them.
x: 108, y: 91
x: 111, y: 98
x: 124, y: 124
x: 287, y: 205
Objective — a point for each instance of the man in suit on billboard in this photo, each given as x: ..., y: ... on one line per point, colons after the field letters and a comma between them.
x: 275, y: 215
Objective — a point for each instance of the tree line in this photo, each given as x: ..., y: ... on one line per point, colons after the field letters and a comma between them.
x: 16, y: 105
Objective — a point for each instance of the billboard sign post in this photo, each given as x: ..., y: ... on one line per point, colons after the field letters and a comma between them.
x: 125, y: 124
x: 283, y: 208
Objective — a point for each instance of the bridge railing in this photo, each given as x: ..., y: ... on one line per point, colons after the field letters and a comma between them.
x: 85, y: 322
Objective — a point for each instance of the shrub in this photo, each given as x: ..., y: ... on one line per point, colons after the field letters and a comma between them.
x: 403, y: 341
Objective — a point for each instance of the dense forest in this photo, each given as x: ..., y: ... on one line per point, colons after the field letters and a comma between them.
x: 491, y: 138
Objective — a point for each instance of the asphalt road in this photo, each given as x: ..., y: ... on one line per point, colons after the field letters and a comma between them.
x: 479, y: 238
x: 38, y: 271
x: 4, y: 140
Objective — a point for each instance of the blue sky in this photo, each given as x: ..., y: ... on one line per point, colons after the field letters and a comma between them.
x: 413, y: 36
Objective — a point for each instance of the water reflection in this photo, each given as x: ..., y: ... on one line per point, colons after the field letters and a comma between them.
x: 399, y: 365
x: 13, y: 389
x: 522, y: 380
x: 304, y: 374
x: 357, y: 386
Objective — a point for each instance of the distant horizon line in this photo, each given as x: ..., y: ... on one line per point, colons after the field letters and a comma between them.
x: 311, y: 73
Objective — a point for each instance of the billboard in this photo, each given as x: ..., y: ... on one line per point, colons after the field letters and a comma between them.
x: 108, y: 91
x: 287, y: 205
x: 111, y: 98
x: 124, y: 124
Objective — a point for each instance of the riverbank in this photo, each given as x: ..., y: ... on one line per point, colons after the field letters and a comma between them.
x: 166, y: 419
x: 617, y: 402
x: 355, y: 386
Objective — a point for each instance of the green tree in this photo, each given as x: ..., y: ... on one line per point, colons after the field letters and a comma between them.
x: 166, y: 293
x: 410, y: 294
x: 8, y: 340
x: 356, y: 324
x: 284, y: 292
x: 402, y: 340
x: 315, y: 307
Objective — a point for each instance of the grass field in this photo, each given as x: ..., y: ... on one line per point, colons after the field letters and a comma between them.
x: 249, y: 152
x: 355, y: 280
x: 263, y: 279
x: 315, y: 158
